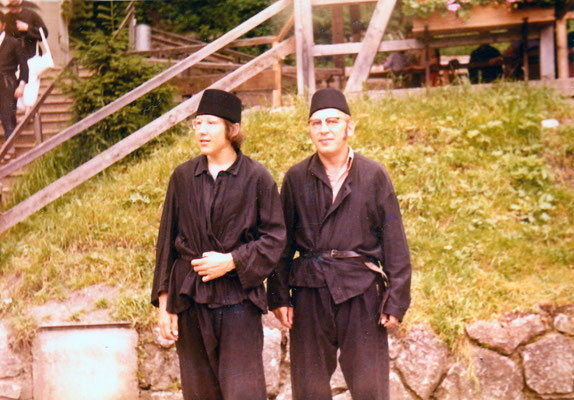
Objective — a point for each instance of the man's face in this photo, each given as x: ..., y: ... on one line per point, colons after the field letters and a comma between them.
x: 329, y: 130
x: 211, y: 135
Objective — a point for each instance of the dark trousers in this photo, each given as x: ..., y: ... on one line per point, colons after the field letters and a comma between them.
x: 220, y: 353
x: 320, y: 327
x: 8, y: 85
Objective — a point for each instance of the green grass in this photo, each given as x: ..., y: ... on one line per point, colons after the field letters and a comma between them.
x: 487, y: 197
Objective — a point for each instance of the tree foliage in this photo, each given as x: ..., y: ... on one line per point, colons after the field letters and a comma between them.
x: 207, y: 19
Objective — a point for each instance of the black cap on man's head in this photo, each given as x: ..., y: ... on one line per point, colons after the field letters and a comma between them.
x: 329, y: 98
x: 221, y: 104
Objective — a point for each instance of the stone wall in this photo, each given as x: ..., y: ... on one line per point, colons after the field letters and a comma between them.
x: 520, y: 356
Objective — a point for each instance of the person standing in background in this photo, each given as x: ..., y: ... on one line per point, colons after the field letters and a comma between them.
x: 11, y: 57
x: 23, y: 23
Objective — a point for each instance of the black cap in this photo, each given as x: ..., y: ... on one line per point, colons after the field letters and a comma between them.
x: 329, y: 98
x: 221, y: 104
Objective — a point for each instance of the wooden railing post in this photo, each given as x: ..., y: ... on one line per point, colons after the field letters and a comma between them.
x: 302, y: 11
x: 562, y: 47
x: 278, y: 66
x: 38, y: 134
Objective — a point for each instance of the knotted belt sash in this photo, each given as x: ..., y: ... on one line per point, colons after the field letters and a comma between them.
x: 375, y: 267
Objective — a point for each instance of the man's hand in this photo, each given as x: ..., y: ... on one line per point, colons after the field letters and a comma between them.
x: 19, y: 92
x: 388, y: 321
x: 213, y: 265
x: 167, y: 322
x: 22, y: 26
x: 285, y: 316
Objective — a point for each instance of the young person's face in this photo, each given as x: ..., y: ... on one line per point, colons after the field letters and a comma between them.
x: 329, y: 130
x: 210, y: 134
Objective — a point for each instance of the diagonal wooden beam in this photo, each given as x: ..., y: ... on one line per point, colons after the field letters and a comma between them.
x: 137, y: 139
x: 144, y: 88
x: 371, y: 43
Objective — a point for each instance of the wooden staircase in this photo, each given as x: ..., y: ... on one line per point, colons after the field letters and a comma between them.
x: 55, y: 115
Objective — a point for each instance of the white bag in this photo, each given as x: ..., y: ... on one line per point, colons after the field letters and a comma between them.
x: 40, y: 63
x: 36, y: 66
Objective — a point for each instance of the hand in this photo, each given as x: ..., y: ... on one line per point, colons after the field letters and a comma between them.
x: 19, y: 92
x: 388, y: 321
x: 22, y: 26
x: 285, y: 316
x: 167, y: 322
x: 213, y: 265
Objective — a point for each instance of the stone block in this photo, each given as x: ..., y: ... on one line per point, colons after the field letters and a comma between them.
x: 564, y: 322
x: 505, y: 336
x: 499, y: 378
x: 422, y: 362
x: 397, y: 389
x: 457, y: 385
x: 272, y: 359
x: 549, y: 365
x: 10, y: 390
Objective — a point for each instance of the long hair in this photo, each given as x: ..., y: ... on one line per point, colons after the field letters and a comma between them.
x: 236, y: 140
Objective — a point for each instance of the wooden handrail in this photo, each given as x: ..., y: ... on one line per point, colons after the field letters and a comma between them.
x: 137, y: 139
x: 32, y: 112
x: 144, y: 88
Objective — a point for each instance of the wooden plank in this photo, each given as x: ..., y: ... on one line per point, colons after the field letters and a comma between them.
x: 137, y: 139
x: 337, y: 33
x: 285, y: 29
x: 130, y: 13
x: 322, y: 50
x: 370, y: 46
x: 256, y: 41
x: 167, y: 50
x: 483, y: 18
x: 305, y: 41
x: 547, y: 61
x: 562, y: 48
x: 340, y: 2
x: 356, y: 25
x: 562, y: 13
x: 144, y: 88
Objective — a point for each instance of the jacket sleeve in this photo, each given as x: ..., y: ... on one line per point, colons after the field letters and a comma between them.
x: 23, y: 63
x: 34, y: 28
x: 397, y: 263
x: 256, y: 259
x: 166, y: 253
x: 278, y: 283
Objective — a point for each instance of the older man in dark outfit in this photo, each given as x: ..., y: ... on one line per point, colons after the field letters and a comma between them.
x: 343, y: 217
x: 221, y: 234
x: 24, y: 24
x: 11, y: 57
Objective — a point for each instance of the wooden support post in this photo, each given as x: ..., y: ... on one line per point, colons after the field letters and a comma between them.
x: 371, y: 43
x: 525, y: 61
x: 278, y: 66
x: 356, y: 27
x: 38, y: 128
x: 562, y: 48
x: 547, y: 61
x: 426, y: 57
x: 337, y: 33
x: 304, y: 49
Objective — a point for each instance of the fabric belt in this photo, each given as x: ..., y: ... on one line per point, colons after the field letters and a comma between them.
x: 373, y: 266
x: 333, y: 254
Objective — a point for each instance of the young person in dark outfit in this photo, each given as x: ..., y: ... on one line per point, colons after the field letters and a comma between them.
x: 221, y: 234
x: 343, y: 217
x: 11, y: 57
x: 24, y: 24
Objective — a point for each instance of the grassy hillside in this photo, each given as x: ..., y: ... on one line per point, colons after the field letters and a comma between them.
x: 487, y: 196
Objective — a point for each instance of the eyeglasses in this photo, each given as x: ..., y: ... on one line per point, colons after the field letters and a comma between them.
x: 196, y: 123
x: 331, y: 122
